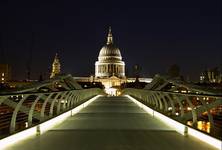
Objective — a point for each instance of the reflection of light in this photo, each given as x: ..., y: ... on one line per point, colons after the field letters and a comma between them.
x: 43, y: 127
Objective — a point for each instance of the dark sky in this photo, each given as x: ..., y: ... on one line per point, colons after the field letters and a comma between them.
x: 153, y: 34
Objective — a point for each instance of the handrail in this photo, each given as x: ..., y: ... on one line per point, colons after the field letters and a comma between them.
x: 187, y: 108
x: 27, y: 109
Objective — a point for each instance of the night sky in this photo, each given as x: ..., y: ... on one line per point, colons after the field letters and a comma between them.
x: 153, y: 34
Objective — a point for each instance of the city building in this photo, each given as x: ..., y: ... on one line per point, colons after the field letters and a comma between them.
x: 110, y: 60
x: 110, y: 68
x: 211, y: 76
x: 56, y: 67
x: 5, y: 73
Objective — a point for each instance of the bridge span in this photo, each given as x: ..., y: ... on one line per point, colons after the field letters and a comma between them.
x: 111, y: 123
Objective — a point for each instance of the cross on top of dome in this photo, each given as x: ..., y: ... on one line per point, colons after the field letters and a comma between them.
x: 109, y: 37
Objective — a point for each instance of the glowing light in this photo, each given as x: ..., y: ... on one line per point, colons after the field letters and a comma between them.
x: 204, y: 126
x: 111, y: 91
x: 179, y: 127
x: 190, y: 123
x: 43, y: 127
x: 17, y: 137
x: 205, y: 138
x: 147, y: 109
x: 53, y: 122
x: 169, y: 108
x: 57, y: 120
x: 188, y: 108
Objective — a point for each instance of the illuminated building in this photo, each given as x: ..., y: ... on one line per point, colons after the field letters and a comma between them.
x: 5, y: 73
x: 56, y: 67
x: 109, y: 61
x: 211, y: 76
x: 110, y: 69
x: 202, y: 77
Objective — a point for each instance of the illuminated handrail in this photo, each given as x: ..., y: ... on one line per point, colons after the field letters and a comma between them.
x: 23, y: 110
x: 182, y: 107
x: 179, y: 127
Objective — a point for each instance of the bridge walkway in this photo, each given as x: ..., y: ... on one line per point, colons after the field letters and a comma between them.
x: 111, y: 123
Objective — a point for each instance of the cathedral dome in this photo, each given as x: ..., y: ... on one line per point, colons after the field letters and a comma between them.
x: 109, y: 51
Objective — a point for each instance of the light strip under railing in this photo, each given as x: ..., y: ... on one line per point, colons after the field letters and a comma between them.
x: 43, y: 127
x: 179, y: 127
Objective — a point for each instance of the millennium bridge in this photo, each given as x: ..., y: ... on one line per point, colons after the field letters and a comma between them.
x: 59, y: 114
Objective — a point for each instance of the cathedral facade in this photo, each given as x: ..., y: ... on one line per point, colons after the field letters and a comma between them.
x: 110, y: 60
x: 110, y: 69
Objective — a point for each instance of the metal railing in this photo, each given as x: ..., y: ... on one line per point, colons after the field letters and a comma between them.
x: 186, y: 108
x: 23, y: 110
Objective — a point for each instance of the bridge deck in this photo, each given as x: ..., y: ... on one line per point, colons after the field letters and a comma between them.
x: 111, y: 123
